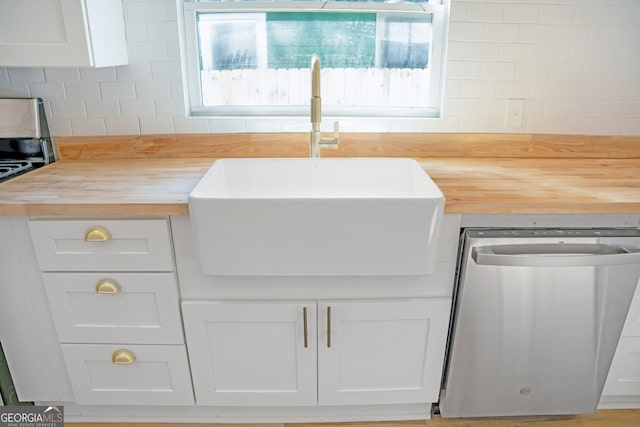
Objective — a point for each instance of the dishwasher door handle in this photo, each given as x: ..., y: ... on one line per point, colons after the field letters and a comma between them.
x: 554, y: 255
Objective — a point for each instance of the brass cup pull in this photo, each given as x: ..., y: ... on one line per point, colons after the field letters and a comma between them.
x: 123, y: 357
x: 97, y: 234
x: 107, y: 286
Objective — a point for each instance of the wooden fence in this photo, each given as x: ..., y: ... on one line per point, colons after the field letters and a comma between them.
x: 340, y: 86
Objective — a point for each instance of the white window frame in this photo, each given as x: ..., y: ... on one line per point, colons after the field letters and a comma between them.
x: 188, y: 9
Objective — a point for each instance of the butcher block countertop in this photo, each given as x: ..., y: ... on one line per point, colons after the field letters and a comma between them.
x: 160, y: 186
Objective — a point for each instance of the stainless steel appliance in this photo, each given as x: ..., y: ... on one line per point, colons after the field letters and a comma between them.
x: 25, y: 143
x: 538, y: 315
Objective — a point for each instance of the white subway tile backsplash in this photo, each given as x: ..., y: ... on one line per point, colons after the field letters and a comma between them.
x: 169, y: 107
x: 517, y: 52
x: 563, y: 108
x: 26, y: 75
x: 62, y: 75
x: 48, y: 91
x: 461, y: 106
x: 173, y: 51
x: 478, y: 51
x: 572, y: 34
x: 536, y: 124
x: 224, y: 125
x: 532, y: 72
x: 569, y: 125
x: 512, y: 89
x: 546, y: 90
x: 536, y: 33
x: 551, y: 53
x: 82, y: 91
x: 406, y: 125
x: 466, y: 31
x: 558, y: 13
x: 67, y: 109
x: 153, y: 89
x: 521, y: 13
x: 137, y: 108
x: 572, y: 72
x: 166, y: 70
x: 503, y: 71
x: 501, y: 33
x: 177, y: 89
x: 191, y: 124
x: 147, y: 51
x: 478, y: 89
x: 122, y: 126
x: 593, y: 14
x: 485, y: 12
x: 134, y: 71
x: 163, y: 31
x: 104, y: 74
x: 156, y: 125
x: 105, y: 109
x: 263, y: 125
x: 463, y: 70
x: 575, y: 62
x: 117, y: 90
x: 144, y: 11
x: 88, y: 126
x: 588, y: 53
x: 445, y: 124
x: 136, y: 32
x: 59, y: 127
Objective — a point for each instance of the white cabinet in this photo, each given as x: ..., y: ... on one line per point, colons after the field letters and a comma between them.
x: 112, y: 291
x: 131, y: 308
x: 381, y: 352
x: 252, y: 354
x: 65, y: 33
x: 135, y: 375
x: 368, y: 352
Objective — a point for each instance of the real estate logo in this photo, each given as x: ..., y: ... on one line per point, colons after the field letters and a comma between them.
x: 31, y: 416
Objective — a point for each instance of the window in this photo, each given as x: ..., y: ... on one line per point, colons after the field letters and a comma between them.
x: 252, y: 58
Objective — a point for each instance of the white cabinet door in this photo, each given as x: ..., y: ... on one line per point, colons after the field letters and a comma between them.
x: 62, y: 33
x: 252, y: 353
x: 145, y: 374
x: 124, y: 308
x: 381, y: 352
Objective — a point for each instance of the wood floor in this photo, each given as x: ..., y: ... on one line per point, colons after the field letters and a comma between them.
x: 603, y: 418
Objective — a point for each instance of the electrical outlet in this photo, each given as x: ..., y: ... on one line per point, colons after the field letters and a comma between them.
x: 514, y: 113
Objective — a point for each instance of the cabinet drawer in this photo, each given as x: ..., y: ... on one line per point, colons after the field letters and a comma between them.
x: 102, y: 245
x: 134, y: 308
x: 157, y: 374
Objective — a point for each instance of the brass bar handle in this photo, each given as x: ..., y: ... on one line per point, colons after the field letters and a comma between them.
x: 97, y: 234
x: 329, y: 326
x: 304, y: 322
x: 107, y: 286
x: 123, y: 357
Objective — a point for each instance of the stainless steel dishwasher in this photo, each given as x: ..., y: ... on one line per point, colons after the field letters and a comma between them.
x: 537, y: 317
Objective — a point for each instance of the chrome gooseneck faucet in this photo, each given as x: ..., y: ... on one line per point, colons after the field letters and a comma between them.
x: 317, y: 142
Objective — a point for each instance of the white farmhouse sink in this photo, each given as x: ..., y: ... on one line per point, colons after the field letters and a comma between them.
x: 304, y: 216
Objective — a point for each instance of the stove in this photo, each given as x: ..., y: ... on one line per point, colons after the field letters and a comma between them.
x: 25, y: 143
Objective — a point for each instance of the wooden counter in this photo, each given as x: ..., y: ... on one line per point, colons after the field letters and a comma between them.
x: 160, y: 186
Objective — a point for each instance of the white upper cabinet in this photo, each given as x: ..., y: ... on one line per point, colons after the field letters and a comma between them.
x: 62, y: 33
